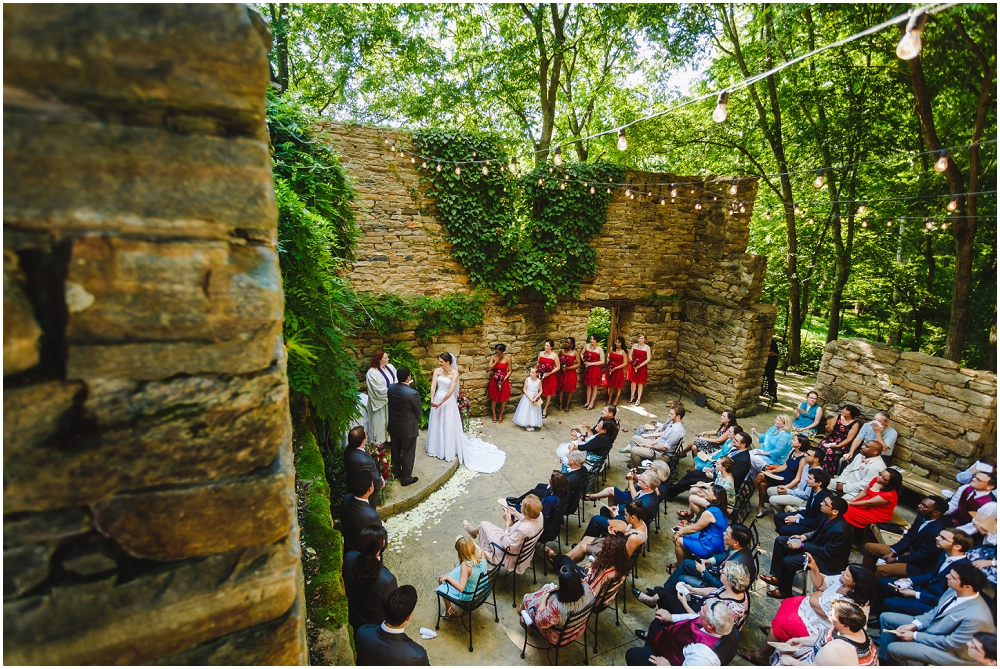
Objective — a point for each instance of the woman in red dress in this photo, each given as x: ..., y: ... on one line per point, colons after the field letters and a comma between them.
x: 593, y: 363
x: 548, y: 369
x: 617, y: 362
x: 498, y: 381
x: 878, y: 502
x: 638, y: 372
x: 569, y: 363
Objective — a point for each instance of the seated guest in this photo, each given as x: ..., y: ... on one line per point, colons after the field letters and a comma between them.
x: 808, y: 416
x: 796, y: 492
x: 387, y: 644
x: 878, y: 502
x: 876, y: 430
x: 862, y: 471
x: 940, y: 636
x: 917, y: 552
x: 970, y: 497
x: 356, y: 513
x: 596, y: 447
x: 518, y: 527
x: 645, y: 500
x: 554, y: 496
x: 703, y: 537
x: 811, y: 515
x: 829, y: 545
x: 983, y: 649
x: 845, y: 643
x: 984, y: 556
x: 706, y: 639
x: 775, y: 445
x: 631, y: 527
x: 926, y: 589
x: 705, y: 573
x: 733, y: 593
x: 460, y: 582
x: 710, y: 441
x: 575, y: 479
x: 741, y: 466
x: 607, y: 572
x: 987, y: 465
x: 697, y: 501
x: 358, y: 464
x: 841, y: 435
x: 974, y: 529
x: 550, y: 606
x: 809, y: 615
x: 367, y: 582
x: 795, y: 469
x: 608, y: 413
x: 659, y: 444
x: 704, y: 460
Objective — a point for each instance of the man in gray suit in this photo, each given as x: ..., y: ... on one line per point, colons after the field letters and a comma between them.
x: 940, y: 636
x: 387, y: 644
x: 405, y: 410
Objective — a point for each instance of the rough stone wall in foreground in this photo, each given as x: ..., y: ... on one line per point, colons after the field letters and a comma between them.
x: 149, y: 504
x: 945, y: 414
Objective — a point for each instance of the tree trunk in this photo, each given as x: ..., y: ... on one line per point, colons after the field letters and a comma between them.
x: 279, y: 28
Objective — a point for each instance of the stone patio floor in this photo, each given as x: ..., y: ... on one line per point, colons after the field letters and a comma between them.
x: 418, y: 559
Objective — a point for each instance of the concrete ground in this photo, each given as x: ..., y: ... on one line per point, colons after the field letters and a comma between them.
x: 428, y: 549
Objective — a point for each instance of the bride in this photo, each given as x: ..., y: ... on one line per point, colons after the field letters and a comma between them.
x: 445, y: 437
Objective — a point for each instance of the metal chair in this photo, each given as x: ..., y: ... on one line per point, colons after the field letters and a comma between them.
x: 605, y: 599
x: 568, y: 633
x: 524, y: 555
x: 550, y: 532
x: 575, y: 506
x: 480, y: 596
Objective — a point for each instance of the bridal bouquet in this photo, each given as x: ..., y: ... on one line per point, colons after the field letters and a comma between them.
x: 464, y: 404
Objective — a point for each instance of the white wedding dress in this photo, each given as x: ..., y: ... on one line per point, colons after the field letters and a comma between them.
x: 446, y: 440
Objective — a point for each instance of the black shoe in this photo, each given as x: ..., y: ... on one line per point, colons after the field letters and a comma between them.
x: 640, y: 635
x: 651, y: 592
x: 409, y: 481
x: 635, y: 591
x: 513, y: 501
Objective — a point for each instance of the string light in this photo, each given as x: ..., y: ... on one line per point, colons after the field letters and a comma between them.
x: 820, y: 178
x: 798, y: 210
x: 697, y: 205
x: 673, y: 190
x: 423, y: 165
x: 439, y: 167
x: 721, y: 112
x: 768, y: 216
x: 609, y: 191
x: 557, y: 157
x: 385, y: 141
x: 733, y: 189
x: 592, y: 190
x: 540, y: 181
x: 944, y: 226
x: 942, y: 162
x: 562, y: 185
x: 485, y: 170
x: 929, y: 225
x: 513, y: 166
x: 662, y: 202
x: 909, y: 46
x: 628, y: 192
x: 953, y: 205
x: 743, y: 209
x: 413, y: 161
x: 862, y: 209
x: 622, y: 142
x: 888, y: 223
x: 402, y: 154
x: 864, y: 224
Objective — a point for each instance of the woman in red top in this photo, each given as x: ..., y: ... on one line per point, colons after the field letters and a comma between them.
x: 878, y: 502
x: 637, y: 371
x: 617, y: 362
x: 569, y: 363
x: 593, y: 362
x: 498, y: 381
x: 548, y: 369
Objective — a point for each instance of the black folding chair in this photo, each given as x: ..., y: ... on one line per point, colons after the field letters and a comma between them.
x: 524, y: 556
x: 550, y: 532
x: 605, y: 599
x: 575, y: 506
x: 484, y: 587
x: 567, y: 634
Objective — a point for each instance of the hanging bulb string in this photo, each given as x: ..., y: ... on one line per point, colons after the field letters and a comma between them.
x: 869, y: 201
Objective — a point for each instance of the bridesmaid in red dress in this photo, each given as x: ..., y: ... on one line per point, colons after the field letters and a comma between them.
x: 593, y: 363
x: 617, y: 362
x: 569, y: 363
x: 548, y: 369
x: 498, y: 383
x: 638, y: 372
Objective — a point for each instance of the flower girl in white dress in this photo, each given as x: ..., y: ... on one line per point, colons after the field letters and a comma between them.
x: 529, y: 409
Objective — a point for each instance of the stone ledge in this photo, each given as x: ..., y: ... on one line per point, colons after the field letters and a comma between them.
x: 405, y: 499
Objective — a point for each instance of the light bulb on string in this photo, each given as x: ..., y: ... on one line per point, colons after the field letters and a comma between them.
x: 929, y: 225
x: 942, y: 162
x: 715, y: 198
x: 562, y: 185
x: 911, y: 43
x: 609, y: 191
x: 458, y: 170
x: 662, y: 202
x: 628, y: 192
x: 697, y: 205
x: 592, y: 190
x: 540, y: 181
x: 439, y: 167
x: 862, y: 209
x: 767, y: 216
x: 557, y: 157
x: 486, y: 170
x: 474, y: 155
x: 721, y: 112
x: 673, y: 190
x: 550, y: 170
x: 423, y: 165
x: 888, y: 223
x: 820, y: 178
x: 864, y: 224
x: 385, y: 141
x: 649, y: 193
x: 734, y: 188
x: 811, y: 221
x: 402, y: 154
x: 953, y: 205
x: 622, y: 142
x: 513, y: 165
x: 944, y: 226
x: 413, y: 161
x: 798, y: 210
x: 743, y: 209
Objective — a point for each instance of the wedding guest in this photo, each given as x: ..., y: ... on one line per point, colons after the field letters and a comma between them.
x: 381, y: 374
x: 770, y: 367
x: 808, y: 416
x: 550, y: 606
x: 703, y: 537
x: 790, y: 473
x: 359, y: 465
x: 632, y: 531
x: 810, y: 516
x: 575, y: 476
x: 984, y: 556
x: 878, y: 430
x: 617, y: 362
x: 548, y: 372
x: 387, y: 644
x: 529, y: 410
x: 569, y: 374
x: 846, y: 643
x: 841, y: 436
x: 367, y: 582
x: 405, y: 411
x: 917, y: 551
x: 971, y: 497
x: 596, y: 442
x: 923, y: 591
x: 697, y: 501
x: 983, y: 649
x: 460, y: 582
x: 638, y: 369
x: 775, y: 444
x: 735, y: 579
x: 498, y: 385
x: 878, y: 502
x: 795, y: 493
x: 660, y: 444
x: 593, y: 363
x: 706, y: 639
x: 987, y: 464
x: 518, y: 527
x: 645, y: 499
x: 612, y: 562
x: 709, y: 442
x: 356, y: 513
x: 862, y: 471
x: 741, y: 467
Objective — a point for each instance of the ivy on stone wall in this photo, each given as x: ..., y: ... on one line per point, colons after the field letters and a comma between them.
x: 390, y: 313
x: 524, y: 237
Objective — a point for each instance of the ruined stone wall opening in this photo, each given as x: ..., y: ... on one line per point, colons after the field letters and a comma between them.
x: 599, y: 323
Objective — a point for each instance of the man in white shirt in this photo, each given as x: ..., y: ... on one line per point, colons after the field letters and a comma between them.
x: 659, y: 445
x: 877, y: 429
x: 987, y: 465
x: 706, y: 638
x: 855, y: 479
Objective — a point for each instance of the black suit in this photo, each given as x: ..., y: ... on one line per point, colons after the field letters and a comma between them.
x: 376, y: 647
x: 830, y: 546
x: 741, y: 467
x: 811, y: 514
x: 598, y: 526
x: 577, y: 479
x: 354, y: 516
x: 359, y: 465
x: 688, y: 573
x: 366, y: 603
x: 599, y: 445
x: 405, y: 410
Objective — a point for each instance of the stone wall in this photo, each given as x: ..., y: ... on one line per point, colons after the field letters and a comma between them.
x: 669, y: 270
x: 945, y: 414
x: 149, y: 504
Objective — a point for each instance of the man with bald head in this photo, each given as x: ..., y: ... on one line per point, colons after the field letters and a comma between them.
x: 853, y: 481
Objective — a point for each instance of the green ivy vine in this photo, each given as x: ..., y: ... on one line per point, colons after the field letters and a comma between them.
x: 390, y: 313
x: 524, y: 237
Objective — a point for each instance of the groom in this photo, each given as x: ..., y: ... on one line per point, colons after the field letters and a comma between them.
x: 405, y: 410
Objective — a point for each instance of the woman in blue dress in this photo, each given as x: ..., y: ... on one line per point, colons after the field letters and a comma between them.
x: 704, y: 537
x: 788, y: 474
x: 808, y: 416
x: 461, y: 582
